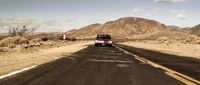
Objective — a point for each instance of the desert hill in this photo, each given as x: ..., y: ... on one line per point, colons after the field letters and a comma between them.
x: 121, y: 28
x: 138, y: 29
x: 195, y: 30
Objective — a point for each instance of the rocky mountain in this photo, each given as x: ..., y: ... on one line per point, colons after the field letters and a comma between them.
x: 85, y: 32
x: 195, y: 30
x: 173, y: 28
x: 70, y: 32
x: 121, y: 28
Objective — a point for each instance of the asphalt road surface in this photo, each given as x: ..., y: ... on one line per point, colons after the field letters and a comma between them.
x: 93, y: 66
x: 186, y: 65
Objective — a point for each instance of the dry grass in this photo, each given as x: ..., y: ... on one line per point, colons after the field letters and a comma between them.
x: 12, y: 41
x: 187, y: 50
x: 45, y: 36
x: 3, y: 49
x: 156, y: 35
x: 2, y: 37
x: 187, y: 40
x: 36, y: 40
x: 10, y: 61
x: 169, y: 37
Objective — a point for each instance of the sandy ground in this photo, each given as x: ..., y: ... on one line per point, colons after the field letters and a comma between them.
x: 17, y: 60
x: 188, y: 50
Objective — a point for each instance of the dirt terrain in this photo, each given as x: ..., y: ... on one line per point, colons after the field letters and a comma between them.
x: 188, y: 50
x: 21, y: 58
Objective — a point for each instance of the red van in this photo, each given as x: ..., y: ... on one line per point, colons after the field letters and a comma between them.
x: 103, y: 40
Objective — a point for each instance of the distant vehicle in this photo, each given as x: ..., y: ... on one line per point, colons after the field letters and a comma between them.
x: 103, y: 40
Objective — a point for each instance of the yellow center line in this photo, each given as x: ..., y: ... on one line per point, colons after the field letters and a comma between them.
x: 179, y: 76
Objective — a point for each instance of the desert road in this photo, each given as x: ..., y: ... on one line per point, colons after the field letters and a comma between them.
x: 108, y: 66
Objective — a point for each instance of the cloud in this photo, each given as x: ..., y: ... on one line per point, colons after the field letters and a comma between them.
x: 181, y: 16
x: 41, y: 26
x: 178, y: 11
x: 6, y: 22
x: 19, y: 21
x: 70, y: 22
x: 136, y: 10
x: 148, y: 15
x: 52, y: 26
x: 13, y: 22
x: 169, y: 1
x: 52, y: 23
x: 173, y: 11
x: 156, y: 9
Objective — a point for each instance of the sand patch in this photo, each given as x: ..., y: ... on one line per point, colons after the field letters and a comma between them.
x: 188, y: 50
x: 17, y: 60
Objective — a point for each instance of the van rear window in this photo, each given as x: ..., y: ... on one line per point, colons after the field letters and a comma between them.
x: 103, y: 37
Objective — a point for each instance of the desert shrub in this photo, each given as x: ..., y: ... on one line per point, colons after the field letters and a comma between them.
x: 10, y: 41
x: 71, y: 39
x: 3, y: 49
x: 17, y: 31
x: 163, y: 39
x: 45, y: 36
x: 23, y: 41
x: 2, y: 37
x: 36, y: 40
x: 20, y: 30
x: 44, y: 39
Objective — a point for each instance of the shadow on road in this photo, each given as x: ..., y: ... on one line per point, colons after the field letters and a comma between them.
x: 186, y: 65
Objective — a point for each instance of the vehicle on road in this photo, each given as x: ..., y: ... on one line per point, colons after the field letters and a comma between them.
x: 103, y: 40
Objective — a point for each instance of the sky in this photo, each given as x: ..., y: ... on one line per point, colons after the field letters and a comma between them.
x: 63, y: 15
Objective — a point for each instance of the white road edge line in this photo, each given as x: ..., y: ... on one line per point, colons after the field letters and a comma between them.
x: 179, y: 76
x: 16, y: 72
x: 24, y: 69
x: 56, y: 58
